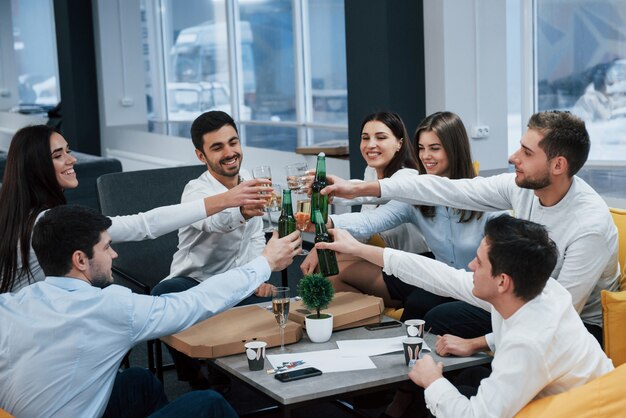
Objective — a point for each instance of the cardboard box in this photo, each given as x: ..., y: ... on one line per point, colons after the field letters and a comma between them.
x: 349, y: 309
x: 226, y: 333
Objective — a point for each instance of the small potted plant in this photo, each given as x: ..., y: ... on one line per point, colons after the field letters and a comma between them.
x: 316, y: 293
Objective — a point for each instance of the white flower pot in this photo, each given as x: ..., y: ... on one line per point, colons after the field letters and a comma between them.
x: 319, y: 330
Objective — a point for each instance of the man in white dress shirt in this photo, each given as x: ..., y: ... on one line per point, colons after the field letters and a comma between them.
x: 220, y: 242
x: 540, y: 344
x: 543, y: 189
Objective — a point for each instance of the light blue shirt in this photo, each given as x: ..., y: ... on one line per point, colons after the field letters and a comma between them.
x: 62, y: 340
x: 452, y: 242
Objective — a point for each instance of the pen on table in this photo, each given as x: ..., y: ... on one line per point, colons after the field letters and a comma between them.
x: 286, y: 366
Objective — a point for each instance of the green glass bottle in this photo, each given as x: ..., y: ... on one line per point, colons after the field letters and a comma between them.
x: 327, y: 258
x: 286, y: 221
x: 319, y: 202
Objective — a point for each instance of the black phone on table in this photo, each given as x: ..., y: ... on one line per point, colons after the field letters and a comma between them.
x: 383, y: 325
x: 298, y: 374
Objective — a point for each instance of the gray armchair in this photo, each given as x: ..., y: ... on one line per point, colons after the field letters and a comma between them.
x: 141, y: 265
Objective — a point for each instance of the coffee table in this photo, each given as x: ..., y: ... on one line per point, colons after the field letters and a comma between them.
x: 390, y: 370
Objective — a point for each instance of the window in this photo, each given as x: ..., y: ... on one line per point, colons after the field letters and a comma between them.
x: 581, y: 67
x: 34, y: 41
x: 277, y: 66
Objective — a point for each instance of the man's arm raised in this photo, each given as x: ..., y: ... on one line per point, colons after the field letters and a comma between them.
x: 247, y: 193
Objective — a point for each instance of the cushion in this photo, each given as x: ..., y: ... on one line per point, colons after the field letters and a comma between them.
x: 614, y: 317
x: 604, y: 397
x: 5, y: 414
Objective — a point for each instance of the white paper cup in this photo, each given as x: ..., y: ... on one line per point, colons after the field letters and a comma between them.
x: 414, y: 327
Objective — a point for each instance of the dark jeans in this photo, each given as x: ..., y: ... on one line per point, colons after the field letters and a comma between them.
x: 138, y: 393
x: 187, y: 368
x: 415, y: 301
x: 596, y: 331
x: 460, y: 319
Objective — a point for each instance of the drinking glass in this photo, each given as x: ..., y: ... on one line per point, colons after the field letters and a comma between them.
x: 264, y: 172
x: 280, y: 307
x: 296, y: 177
x: 303, y: 218
x: 273, y: 203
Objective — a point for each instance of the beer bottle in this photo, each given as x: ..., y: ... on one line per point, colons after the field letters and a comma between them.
x: 327, y: 258
x: 286, y: 222
x: 319, y: 202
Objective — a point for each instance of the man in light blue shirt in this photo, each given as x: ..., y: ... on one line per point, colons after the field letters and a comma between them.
x: 62, y: 339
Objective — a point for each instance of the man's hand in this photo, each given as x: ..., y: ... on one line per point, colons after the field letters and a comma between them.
x: 249, y: 211
x: 309, y: 264
x: 246, y: 193
x: 426, y: 371
x: 280, y: 252
x: 265, y: 290
x: 450, y: 345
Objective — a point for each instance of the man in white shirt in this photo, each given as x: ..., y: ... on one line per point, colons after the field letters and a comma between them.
x: 218, y: 243
x: 62, y: 339
x: 543, y: 189
x: 540, y: 345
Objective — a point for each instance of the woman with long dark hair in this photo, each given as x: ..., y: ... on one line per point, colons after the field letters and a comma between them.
x: 452, y: 235
x: 39, y: 167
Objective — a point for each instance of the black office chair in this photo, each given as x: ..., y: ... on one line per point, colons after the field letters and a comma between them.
x: 141, y: 265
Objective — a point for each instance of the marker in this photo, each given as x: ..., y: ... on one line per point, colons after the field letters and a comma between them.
x: 287, y: 365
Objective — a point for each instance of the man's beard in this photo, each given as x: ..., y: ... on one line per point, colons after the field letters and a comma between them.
x: 219, y: 169
x: 534, y: 184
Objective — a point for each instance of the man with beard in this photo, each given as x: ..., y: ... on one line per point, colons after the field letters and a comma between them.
x: 226, y: 240
x: 544, y: 189
x: 62, y: 339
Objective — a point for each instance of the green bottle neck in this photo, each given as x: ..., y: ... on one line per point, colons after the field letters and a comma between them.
x: 287, y: 208
x: 320, y: 169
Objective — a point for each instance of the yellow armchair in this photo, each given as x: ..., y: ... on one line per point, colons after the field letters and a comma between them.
x: 604, y: 397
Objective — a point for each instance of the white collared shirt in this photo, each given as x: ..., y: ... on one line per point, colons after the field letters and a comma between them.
x: 221, y: 241
x: 541, y: 350
x: 580, y: 225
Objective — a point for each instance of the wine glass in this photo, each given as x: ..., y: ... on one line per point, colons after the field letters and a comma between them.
x: 280, y: 307
x: 303, y: 218
x: 273, y: 204
x: 264, y: 172
x: 296, y: 176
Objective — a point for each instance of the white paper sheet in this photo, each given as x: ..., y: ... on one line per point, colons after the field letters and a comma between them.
x: 373, y: 347
x: 326, y: 360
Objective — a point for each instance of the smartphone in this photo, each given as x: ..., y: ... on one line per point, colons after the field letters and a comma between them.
x: 298, y: 374
x: 383, y: 325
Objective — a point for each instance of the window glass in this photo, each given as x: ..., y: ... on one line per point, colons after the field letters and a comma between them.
x: 35, y: 52
x: 327, y: 52
x: 581, y: 67
x: 216, y: 54
x: 195, y: 57
x: 267, y: 47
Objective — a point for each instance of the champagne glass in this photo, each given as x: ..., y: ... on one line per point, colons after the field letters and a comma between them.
x: 303, y: 218
x: 280, y: 307
x: 296, y: 177
x: 273, y: 204
x: 264, y: 172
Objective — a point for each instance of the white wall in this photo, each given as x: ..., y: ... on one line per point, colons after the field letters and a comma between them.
x: 457, y: 82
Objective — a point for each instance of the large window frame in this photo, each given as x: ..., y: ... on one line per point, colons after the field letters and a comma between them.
x: 304, y: 124
x: 530, y: 76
